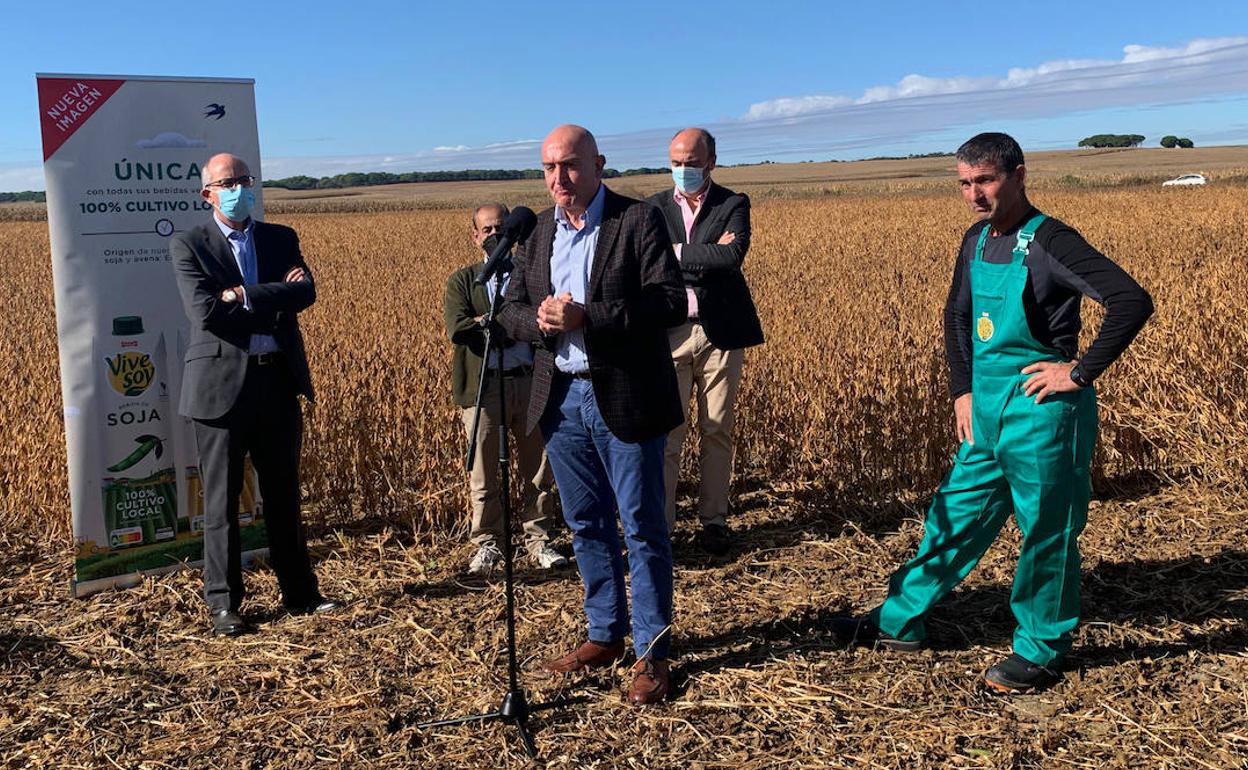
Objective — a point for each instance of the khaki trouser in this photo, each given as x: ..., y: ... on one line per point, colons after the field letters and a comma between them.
x: 535, y: 479
x: 713, y: 375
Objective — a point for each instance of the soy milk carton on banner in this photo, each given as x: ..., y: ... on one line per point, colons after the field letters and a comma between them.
x: 140, y: 485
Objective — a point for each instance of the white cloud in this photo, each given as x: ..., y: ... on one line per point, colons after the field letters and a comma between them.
x: 513, y: 143
x: 451, y: 148
x: 1149, y: 69
x: 787, y: 106
x: 169, y: 140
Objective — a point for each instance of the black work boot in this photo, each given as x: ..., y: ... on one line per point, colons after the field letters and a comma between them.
x: 1018, y: 676
x: 715, y: 539
x: 863, y: 633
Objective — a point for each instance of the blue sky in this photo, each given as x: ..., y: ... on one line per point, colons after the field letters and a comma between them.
x: 411, y: 86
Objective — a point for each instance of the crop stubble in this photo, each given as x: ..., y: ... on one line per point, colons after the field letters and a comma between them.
x: 844, y: 428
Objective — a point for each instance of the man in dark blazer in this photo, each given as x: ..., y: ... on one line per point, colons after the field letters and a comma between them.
x: 596, y: 287
x: 709, y: 227
x: 242, y: 283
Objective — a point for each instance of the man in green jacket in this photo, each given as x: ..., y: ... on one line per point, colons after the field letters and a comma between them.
x: 465, y: 306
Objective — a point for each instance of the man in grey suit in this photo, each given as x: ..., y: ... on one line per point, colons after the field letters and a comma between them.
x: 242, y: 283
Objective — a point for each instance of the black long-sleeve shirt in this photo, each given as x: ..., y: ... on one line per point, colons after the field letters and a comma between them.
x: 1061, y: 268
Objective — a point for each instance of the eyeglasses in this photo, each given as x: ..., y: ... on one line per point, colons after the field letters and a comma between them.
x: 246, y: 180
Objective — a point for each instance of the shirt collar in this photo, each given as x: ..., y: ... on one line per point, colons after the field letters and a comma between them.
x: 593, y: 214
x: 698, y: 196
x: 227, y: 231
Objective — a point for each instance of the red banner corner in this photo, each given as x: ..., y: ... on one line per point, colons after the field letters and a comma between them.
x: 66, y: 103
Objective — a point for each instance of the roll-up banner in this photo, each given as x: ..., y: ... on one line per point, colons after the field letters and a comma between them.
x: 121, y: 159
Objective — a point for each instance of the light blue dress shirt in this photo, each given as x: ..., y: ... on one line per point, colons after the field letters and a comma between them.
x: 570, y: 263
x: 244, y: 247
x: 519, y: 354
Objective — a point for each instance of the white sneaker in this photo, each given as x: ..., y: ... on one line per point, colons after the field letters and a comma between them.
x: 548, y: 558
x: 485, y: 559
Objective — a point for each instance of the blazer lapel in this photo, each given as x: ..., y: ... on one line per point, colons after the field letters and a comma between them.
x: 608, y: 229
x: 220, y: 251
x: 544, y: 251
x: 675, y: 219
x: 259, y: 242
x: 706, y: 212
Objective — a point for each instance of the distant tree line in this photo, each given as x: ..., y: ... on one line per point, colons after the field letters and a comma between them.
x: 28, y: 196
x: 1112, y: 140
x: 911, y: 156
x: 1169, y: 141
x: 372, y: 178
x: 1133, y: 140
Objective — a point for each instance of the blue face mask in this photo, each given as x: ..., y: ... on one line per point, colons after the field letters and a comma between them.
x: 688, y: 179
x: 236, y: 203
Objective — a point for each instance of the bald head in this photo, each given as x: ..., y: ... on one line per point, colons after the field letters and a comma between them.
x: 223, y: 165
x: 572, y: 136
x: 232, y: 170
x: 692, y: 151
x: 572, y: 166
x: 695, y: 138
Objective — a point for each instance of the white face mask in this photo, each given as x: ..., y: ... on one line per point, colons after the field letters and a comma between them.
x: 688, y: 179
x: 236, y: 202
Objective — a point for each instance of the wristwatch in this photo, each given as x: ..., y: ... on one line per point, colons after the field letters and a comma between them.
x: 230, y: 295
x: 1077, y: 377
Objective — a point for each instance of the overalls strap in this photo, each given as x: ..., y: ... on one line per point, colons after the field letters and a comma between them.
x: 983, y: 238
x: 1025, y: 236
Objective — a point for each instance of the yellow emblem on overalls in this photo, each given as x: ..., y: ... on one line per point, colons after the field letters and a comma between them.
x: 984, y: 328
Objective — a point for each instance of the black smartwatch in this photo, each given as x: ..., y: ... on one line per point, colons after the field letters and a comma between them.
x: 1077, y: 377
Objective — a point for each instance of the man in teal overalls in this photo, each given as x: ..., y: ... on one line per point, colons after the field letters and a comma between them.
x: 1025, y: 413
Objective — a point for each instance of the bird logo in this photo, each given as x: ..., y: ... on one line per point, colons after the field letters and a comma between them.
x: 214, y: 110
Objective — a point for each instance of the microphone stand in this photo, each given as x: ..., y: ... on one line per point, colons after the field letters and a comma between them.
x: 515, y: 708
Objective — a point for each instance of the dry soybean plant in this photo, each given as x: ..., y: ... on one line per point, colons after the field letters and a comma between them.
x: 847, y: 397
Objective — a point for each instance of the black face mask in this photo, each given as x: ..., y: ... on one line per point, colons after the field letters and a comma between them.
x: 490, y: 243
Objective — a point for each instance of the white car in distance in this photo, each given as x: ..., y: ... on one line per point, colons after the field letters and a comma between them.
x: 1185, y: 181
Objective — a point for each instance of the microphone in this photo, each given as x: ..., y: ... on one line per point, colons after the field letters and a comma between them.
x: 520, y: 222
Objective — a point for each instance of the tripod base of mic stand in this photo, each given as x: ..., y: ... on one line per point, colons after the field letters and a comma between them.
x: 515, y: 711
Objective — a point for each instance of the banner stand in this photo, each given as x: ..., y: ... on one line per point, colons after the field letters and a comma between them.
x: 122, y: 164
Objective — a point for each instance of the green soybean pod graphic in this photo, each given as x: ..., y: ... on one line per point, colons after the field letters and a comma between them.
x: 146, y: 445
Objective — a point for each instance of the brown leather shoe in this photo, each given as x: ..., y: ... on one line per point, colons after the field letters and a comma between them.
x: 588, y: 655
x: 650, y: 682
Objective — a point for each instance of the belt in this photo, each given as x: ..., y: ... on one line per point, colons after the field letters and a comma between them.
x: 585, y: 375
x: 267, y: 359
x: 695, y: 321
x: 516, y: 371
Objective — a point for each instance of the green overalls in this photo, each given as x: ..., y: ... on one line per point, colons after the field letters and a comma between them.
x: 1028, y: 459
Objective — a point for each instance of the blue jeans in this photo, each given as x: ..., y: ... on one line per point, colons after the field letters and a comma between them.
x: 597, y: 474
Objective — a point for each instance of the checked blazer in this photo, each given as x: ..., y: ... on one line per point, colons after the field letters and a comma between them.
x: 633, y: 296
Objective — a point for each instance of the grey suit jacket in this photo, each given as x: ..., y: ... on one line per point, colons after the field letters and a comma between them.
x: 216, y: 356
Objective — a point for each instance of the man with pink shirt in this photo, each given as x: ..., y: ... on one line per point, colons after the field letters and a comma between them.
x: 710, y: 230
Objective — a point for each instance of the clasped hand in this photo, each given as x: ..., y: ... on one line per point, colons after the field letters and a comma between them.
x: 560, y: 314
